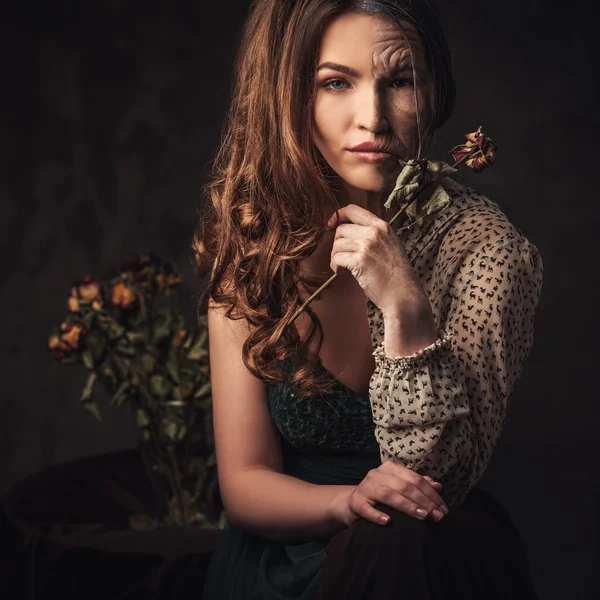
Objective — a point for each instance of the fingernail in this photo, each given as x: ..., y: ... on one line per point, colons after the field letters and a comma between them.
x: 422, y: 513
x: 384, y: 519
x: 437, y: 515
x: 444, y: 509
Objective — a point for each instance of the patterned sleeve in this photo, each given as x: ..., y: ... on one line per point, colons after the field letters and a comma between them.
x: 441, y: 410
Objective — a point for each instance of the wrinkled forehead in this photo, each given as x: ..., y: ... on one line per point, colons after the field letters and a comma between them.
x: 384, y: 44
x: 397, y: 46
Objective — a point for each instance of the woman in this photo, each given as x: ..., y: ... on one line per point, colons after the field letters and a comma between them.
x: 350, y: 442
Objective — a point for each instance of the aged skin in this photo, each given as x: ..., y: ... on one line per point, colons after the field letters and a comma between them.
x: 366, y: 93
x: 376, y: 102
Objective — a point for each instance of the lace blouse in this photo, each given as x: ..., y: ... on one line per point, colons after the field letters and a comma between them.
x: 441, y: 410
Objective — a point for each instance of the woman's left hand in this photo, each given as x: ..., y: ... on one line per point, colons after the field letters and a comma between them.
x: 369, y: 248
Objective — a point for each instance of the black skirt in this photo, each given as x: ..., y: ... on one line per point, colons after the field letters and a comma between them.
x: 475, y: 553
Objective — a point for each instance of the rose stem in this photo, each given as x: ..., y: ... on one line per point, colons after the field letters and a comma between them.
x: 334, y: 276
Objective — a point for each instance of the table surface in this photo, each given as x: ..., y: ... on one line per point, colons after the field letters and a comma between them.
x: 66, y: 531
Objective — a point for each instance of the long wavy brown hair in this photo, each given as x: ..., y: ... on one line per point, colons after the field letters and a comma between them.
x: 270, y: 187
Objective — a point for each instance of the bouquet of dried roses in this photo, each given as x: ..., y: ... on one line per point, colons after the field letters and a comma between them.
x: 130, y: 334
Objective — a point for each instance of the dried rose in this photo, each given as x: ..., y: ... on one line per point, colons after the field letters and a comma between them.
x: 172, y: 276
x: 59, y: 348
x: 478, y: 152
x: 122, y: 295
x: 85, y: 291
x: 73, y: 301
x: 71, y: 334
x: 168, y: 278
x: 88, y: 289
x: 143, y: 268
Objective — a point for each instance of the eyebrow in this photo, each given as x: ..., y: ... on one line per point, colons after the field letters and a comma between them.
x: 338, y: 67
x: 353, y: 72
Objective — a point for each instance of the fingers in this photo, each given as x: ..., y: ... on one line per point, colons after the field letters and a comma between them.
x: 346, y: 244
x: 363, y: 506
x: 419, y: 481
x: 351, y: 230
x: 401, y: 494
x: 407, y: 499
x: 438, y: 486
x: 429, y: 492
x: 358, y: 215
x: 342, y: 260
x: 370, y: 513
x: 410, y: 501
x: 406, y: 491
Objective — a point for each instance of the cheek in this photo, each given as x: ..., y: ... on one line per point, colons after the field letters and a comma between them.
x: 403, y: 108
x: 426, y: 105
x: 328, y: 129
x: 411, y: 116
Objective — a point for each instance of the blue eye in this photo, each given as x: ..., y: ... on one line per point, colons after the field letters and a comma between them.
x: 335, y: 89
x: 338, y: 88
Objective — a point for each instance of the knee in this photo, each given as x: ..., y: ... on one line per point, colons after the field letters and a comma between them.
x: 401, y: 533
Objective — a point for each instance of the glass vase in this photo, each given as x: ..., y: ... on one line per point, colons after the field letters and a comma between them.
x: 177, y: 447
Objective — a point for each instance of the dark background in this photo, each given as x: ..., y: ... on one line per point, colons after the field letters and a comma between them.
x: 108, y: 121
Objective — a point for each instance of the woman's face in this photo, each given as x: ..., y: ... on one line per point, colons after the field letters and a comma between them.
x: 365, y: 93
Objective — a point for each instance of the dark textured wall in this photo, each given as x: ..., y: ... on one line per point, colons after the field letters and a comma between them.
x: 108, y: 121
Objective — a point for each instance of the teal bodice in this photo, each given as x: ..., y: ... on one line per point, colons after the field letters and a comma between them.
x: 338, y: 423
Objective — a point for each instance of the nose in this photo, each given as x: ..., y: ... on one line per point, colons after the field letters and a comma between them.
x: 371, y: 110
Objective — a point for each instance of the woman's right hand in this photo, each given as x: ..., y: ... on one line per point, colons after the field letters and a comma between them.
x: 395, y: 486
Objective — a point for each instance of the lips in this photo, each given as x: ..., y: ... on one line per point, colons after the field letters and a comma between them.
x: 371, y: 153
x: 369, y: 147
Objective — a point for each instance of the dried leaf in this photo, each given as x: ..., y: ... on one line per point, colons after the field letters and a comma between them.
x: 87, y: 358
x: 182, y: 391
x: 88, y: 389
x: 107, y: 374
x: 416, y: 176
x: 439, y: 200
x: 198, y: 350
x: 170, y: 428
x: 96, y: 345
x: 142, y: 419
x: 93, y: 408
x: 136, y: 338
x: 181, y: 432
x: 203, y: 391
x: 159, y: 386
x: 173, y: 368
x: 88, y: 319
x: 149, y: 362
x: 121, y: 366
x: 124, y: 347
x: 121, y: 395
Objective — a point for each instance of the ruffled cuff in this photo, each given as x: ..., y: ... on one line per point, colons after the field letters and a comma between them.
x: 421, y: 358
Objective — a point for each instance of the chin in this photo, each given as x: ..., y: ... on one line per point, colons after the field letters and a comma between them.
x: 370, y: 179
